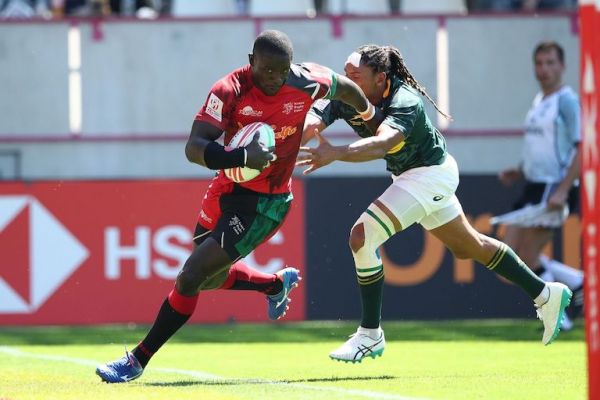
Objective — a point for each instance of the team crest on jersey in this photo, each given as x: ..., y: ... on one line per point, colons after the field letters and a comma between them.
x: 288, y: 107
x: 250, y: 112
x: 214, y: 107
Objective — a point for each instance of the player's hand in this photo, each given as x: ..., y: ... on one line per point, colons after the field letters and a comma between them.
x: 558, y: 199
x: 317, y: 157
x: 509, y: 176
x: 258, y: 156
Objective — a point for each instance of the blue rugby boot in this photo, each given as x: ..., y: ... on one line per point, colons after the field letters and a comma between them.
x: 125, y: 369
x: 278, y: 303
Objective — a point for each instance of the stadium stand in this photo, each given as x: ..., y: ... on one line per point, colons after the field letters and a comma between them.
x: 359, y: 7
x: 433, y: 7
x: 289, y: 7
x: 197, y: 8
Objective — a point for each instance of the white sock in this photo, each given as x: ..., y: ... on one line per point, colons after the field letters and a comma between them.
x: 373, y: 333
x: 542, y: 297
x: 562, y: 273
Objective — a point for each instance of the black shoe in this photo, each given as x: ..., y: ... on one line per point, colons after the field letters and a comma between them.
x: 576, y: 308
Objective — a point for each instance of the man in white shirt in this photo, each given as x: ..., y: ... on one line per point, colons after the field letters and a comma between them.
x: 550, y: 167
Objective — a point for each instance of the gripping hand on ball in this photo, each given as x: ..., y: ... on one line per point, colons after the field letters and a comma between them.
x: 257, y: 156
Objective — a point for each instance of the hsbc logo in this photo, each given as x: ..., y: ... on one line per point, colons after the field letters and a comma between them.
x: 38, y: 254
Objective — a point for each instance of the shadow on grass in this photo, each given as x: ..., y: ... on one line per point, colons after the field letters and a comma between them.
x: 233, y: 382
x: 297, y: 332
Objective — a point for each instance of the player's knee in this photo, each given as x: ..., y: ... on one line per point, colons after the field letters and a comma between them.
x: 461, y: 251
x: 357, y: 237
x: 188, y: 282
x: 190, y: 278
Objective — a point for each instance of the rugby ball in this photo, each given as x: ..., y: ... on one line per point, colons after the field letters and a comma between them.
x: 242, y: 138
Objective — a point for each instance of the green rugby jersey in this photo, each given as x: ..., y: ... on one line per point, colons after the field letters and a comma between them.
x: 404, y: 110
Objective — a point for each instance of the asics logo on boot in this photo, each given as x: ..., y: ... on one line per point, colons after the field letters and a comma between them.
x: 365, y: 350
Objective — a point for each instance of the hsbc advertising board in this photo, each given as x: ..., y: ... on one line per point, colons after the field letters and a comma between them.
x: 104, y: 252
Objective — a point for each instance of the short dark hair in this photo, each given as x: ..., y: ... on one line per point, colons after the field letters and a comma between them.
x: 547, y: 46
x: 273, y: 42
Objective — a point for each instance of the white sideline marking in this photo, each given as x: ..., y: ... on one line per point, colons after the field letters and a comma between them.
x: 204, y: 375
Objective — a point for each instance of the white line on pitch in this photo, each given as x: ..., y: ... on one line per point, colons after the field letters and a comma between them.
x: 204, y: 375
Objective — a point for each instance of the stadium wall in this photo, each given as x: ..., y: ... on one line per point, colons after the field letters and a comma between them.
x: 143, y: 81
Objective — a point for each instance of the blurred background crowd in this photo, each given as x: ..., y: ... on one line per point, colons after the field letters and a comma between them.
x: 191, y: 8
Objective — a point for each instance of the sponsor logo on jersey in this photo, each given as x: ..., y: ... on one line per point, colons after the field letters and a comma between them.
x: 205, y: 217
x: 284, y: 132
x: 214, y: 107
x: 250, y: 112
x: 438, y: 197
x: 534, y: 130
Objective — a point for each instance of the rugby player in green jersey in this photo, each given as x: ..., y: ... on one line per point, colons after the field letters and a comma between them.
x: 424, y: 181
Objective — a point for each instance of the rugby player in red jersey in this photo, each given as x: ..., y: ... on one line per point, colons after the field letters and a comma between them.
x: 236, y: 217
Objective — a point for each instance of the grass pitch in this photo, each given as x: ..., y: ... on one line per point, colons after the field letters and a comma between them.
x: 423, y: 360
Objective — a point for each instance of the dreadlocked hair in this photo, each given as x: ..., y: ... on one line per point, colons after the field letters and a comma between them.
x: 389, y: 60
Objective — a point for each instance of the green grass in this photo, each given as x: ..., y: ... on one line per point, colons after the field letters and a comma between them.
x: 434, y: 360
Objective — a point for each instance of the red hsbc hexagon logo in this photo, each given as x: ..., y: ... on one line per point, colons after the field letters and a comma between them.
x: 43, y: 252
x: 88, y: 252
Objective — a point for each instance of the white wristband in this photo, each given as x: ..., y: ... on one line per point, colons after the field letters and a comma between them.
x: 245, y: 157
x: 368, y: 114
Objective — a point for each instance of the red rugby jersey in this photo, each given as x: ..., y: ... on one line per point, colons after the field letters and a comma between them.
x: 234, y: 102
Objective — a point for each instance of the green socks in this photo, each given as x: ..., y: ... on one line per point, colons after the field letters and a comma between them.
x: 371, y: 294
x: 507, y: 264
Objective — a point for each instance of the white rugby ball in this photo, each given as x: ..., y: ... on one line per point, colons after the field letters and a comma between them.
x: 242, y: 138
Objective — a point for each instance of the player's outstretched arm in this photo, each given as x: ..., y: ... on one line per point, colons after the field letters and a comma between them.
x: 366, y: 149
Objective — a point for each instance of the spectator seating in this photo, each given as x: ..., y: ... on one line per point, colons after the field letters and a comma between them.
x: 432, y: 7
x: 278, y: 7
x: 360, y: 7
x: 200, y: 8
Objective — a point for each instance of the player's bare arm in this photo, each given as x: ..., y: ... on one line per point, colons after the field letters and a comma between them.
x: 350, y: 93
x: 510, y: 175
x: 559, y: 198
x: 367, y: 149
x: 202, y: 149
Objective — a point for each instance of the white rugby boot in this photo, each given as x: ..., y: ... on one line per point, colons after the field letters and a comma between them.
x: 552, y: 312
x: 359, y: 346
